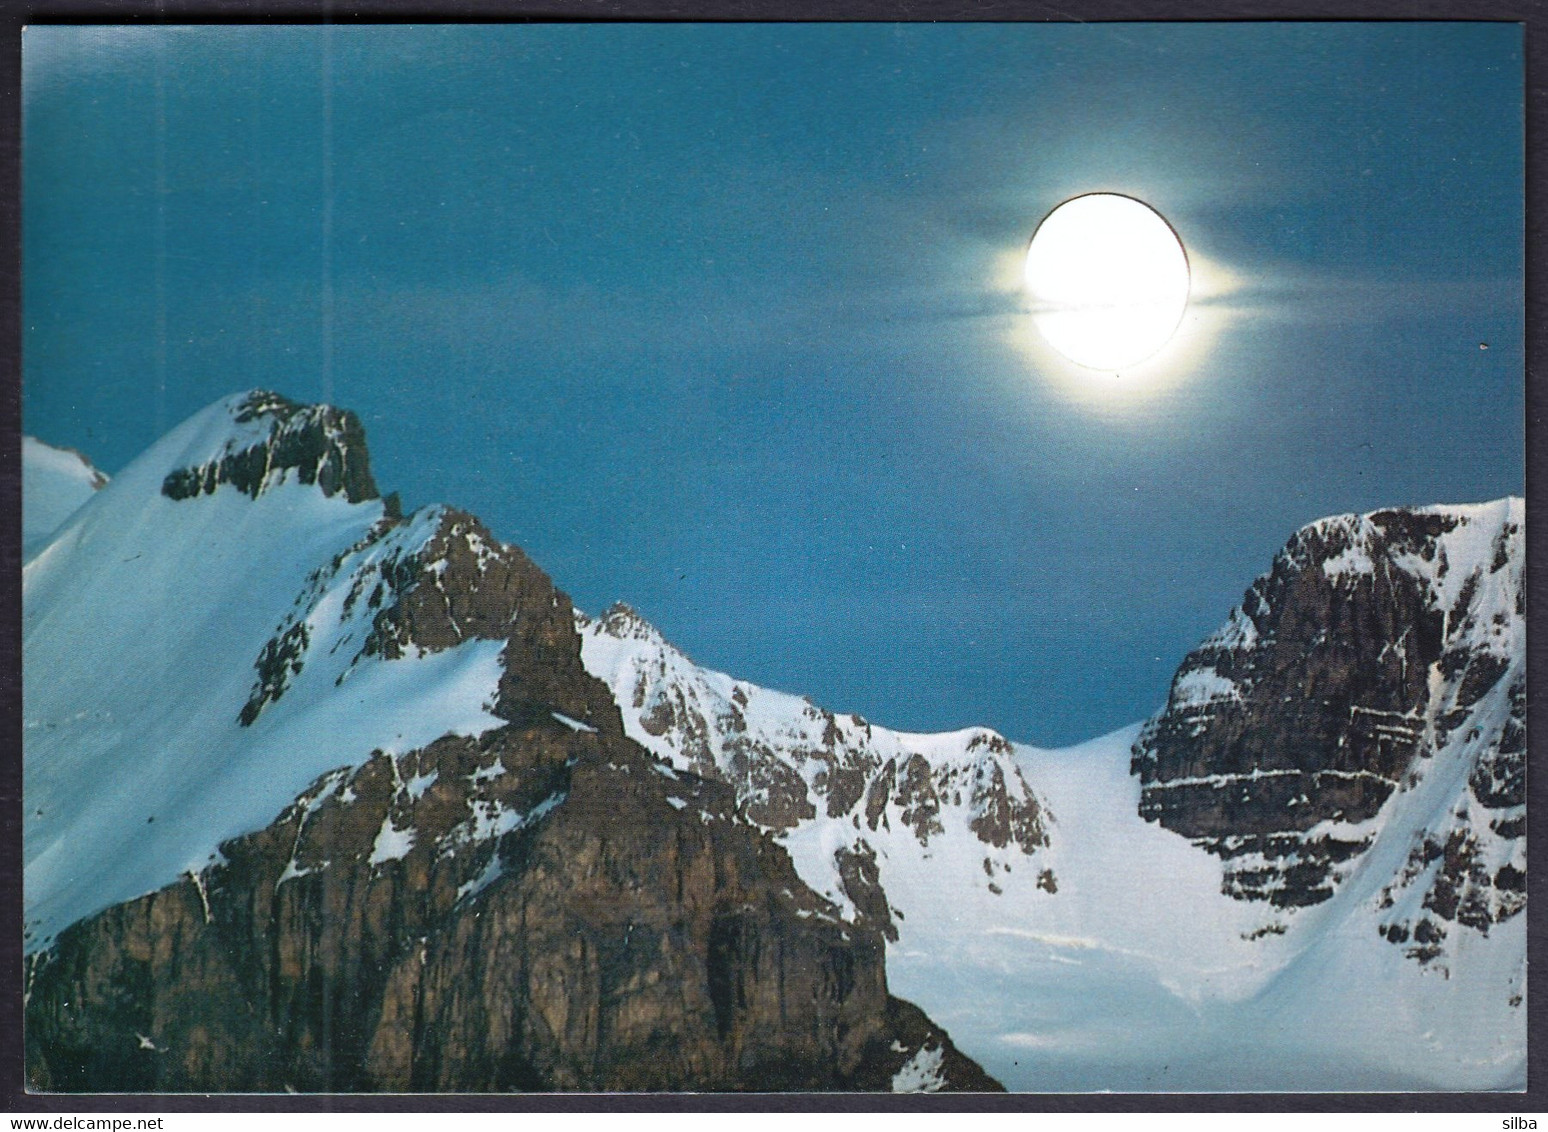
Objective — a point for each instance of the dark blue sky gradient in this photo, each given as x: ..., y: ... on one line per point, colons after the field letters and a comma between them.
x: 711, y: 319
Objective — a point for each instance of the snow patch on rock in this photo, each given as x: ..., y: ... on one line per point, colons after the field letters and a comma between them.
x: 922, y: 1072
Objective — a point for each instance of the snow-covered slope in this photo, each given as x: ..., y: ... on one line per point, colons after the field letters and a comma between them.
x: 1306, y: 872
x: 876, y: 820
x: 1352, y: 746
x: 320, y: 796
x: 1104, y: 950
x: 55, y: 482
x: 144, y: 621
x: 1066, y: 956
x: 1152, y: 978
x: 1373, y: 645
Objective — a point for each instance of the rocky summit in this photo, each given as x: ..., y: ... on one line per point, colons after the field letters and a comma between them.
x: 1379, y: 651
x: 529, y: 900
x: 273, y: 438
x: 1315, y: 846
x: 855, y: 802
x: 370, y: 806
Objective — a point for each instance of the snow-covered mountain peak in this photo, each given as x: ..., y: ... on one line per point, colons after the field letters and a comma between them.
x: 64, y: 463
x: 715, y: 725
x: 620, y: 620
x: 231, y: 616
x: 236, y: 629
x: 414, y: 587
x: 1329, y: 811
x: 1355, y: 733
x: 855, y: 804
x: 257, y: 439
x: 1444, y: 545
x: 1306, y: 872
x: 56, y: 482
x: 1463, y: 565
x: 1452, y: 549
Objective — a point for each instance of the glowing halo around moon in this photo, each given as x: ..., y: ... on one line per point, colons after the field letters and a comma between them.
x: 1108, y: 281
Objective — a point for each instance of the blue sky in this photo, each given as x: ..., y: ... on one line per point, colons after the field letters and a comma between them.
x: 714, y: 319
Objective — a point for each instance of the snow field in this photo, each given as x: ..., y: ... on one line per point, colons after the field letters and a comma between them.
x: 55, y: 483
x: 142, y: 621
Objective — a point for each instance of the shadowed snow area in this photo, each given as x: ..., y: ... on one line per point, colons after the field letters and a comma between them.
x: 55, y: 483
x: 1141, y: 976
x: 153, y: 611
x: 1098, y: 950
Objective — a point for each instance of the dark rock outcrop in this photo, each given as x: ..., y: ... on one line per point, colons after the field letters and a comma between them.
x: 1374, y: 645
x: 543, y: 906
x: 791, y: 760
x: 862, y: 884
x: 869, y: 796
x: 320, y: 444
x: 427, y: 584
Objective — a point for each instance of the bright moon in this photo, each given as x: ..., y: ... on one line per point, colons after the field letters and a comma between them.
x: 1108, y: 280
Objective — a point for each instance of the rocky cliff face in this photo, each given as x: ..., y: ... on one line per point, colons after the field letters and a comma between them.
x: 1379, y: 652
x: 535, y: 903
x: 851, y: 800
x: 537, y: 908
x: 425, y: 585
